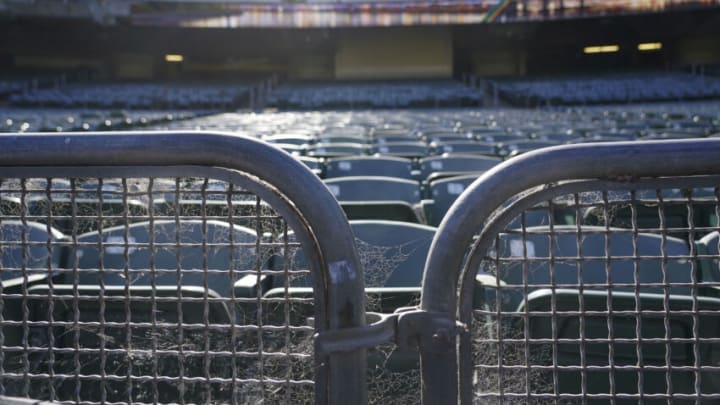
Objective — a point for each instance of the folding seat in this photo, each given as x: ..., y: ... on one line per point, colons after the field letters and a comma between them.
x: 71, y: 208
x: 393, y: 256
x: 543, y: 272
x: 31, y: 253
x: 401, y: 149
x: 675, y: 209
x: 372, y: 197
x: 82, y: 214
x: 386, y: 136
x: 449, y: 137
x: 352, y: 131
x: 211, y: 201
x: 558, y: 137
x: 465, y: 147
x: 387, y: 166
x: 500, y: 137
x: 435, y: 167
x: 315, y: 165
x: 342, y: 139
x: 708, y: 251
x: 291, y: 149
x: 517, y: 147
x: 392, y: 253
x: 140, y: 283
x: 390, y: 131
x: 336, y: 149
x: 433, y: 129
x: 443, y: 193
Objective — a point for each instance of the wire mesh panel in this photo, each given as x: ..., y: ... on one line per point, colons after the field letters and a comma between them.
x: 589, y: 290
x: 141, y: 298
x: 148, y: 284
x: 577, y: 312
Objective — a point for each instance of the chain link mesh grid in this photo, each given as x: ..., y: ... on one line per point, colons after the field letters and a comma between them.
x: 602, y: 296
x: 149, y: 290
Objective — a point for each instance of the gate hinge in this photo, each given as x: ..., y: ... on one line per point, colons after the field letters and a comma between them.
x: 408, y: 328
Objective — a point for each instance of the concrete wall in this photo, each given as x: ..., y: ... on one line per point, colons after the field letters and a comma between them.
x: 394, y: 54
x: 699, y: 50
x: 311, y: 66
x: 504, y: 62
x: 133, y: 66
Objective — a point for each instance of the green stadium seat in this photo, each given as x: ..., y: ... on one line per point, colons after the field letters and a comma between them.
x: 369, y: 166
x: 371, y: 197
x: 148, y: 273
x: 566, y: 299
x: 455, y: 164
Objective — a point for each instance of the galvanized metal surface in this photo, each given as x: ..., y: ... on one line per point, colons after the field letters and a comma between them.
x: 467, y: 241
x: 299, y: 198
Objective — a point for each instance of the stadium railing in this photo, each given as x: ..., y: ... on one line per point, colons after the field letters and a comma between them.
x: 145, y: 311
x: 509, y: 311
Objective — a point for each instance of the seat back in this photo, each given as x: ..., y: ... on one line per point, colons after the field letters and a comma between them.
x: 167, y: 253
x: 373, y: 188
x: 456, y: 163
x: 369, y: 166
x: 595, y: 273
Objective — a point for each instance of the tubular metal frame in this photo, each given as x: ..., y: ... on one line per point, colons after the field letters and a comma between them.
x: 478, y: 215
x: 297, y: 194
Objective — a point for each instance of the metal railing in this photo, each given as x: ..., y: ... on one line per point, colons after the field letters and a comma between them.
x: 174, y: 268
x: 581, y: 273
x: 133, y: 266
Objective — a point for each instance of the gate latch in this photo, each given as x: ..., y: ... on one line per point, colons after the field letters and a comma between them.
x: 409, y: 328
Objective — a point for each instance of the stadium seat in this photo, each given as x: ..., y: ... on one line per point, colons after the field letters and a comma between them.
x: 392, y: 253
x: 401, y: 149
x: 387, y: 166
x: 370, y: 197
x: 625, y: 354
x: 517, y: 147
x: 708, y: 250
x: 83, y: 213
x: 648, y: 209
x: 315, y: 165
x: 186, y: 271
x: 443, y: 193
x: 31, y: 253
x: 436, y: 167
x: 205, y: 244
x: 587, y: 290
x: 464, y: 147
x: 335, y: 149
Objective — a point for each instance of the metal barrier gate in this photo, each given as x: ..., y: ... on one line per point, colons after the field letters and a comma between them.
x: 192, y: 268
x: 580, y: 274
x: 151, y: 268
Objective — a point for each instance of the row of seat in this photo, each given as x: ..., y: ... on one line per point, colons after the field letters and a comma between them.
x: 10, y: 86
x: 614, y: 88
x: 136, y: 96
x: 385, y: 94
x: 19, y: 120
x: 118, y: 260
x: 88, y: 206
x: 212, y: 252
x: 360, y: 190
